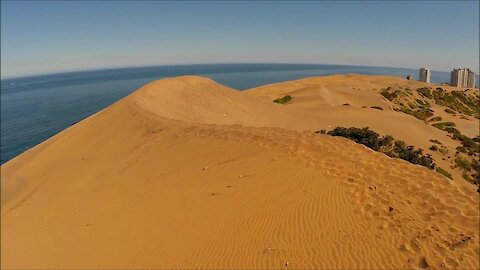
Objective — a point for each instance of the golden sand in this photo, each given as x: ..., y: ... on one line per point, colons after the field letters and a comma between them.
x: 187, y: 173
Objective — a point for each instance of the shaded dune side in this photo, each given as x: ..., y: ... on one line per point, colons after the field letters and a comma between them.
x: 127, y: 188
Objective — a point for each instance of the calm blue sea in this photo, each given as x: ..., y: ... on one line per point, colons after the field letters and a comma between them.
x: 35, y: 108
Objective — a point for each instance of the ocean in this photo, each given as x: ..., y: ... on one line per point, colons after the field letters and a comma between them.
x: 37, y: 107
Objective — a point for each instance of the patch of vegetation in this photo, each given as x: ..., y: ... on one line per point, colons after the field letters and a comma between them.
x: 457, y: 101
x: 470, y: 102
x: 433, y: 148
x: 416, y: 107
x: 385, y: 144
x: 390, y: 95
x: 422, y: 103
x: 377, y: 107
x: 421, y: 113
x: 472, y: 147
x: 469, y: 146
x: 419, y: 105
x: 476, y: 169
x: 426, y: 92
x: 443, y: 150
x: 452, y: 130
x: 435, y: 141
x: 450, y: 111
x: 435, y: 119
x: 283, y: 100
x: 444, y: 172
x: 444, y: 125
x: 475, y: 165
x: 467, y: 177
x: 463, y: 163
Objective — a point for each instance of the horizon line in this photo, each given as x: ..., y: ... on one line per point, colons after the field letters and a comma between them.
x: 196, y: 64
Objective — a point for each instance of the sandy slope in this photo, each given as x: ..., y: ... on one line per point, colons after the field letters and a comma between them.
x: 201, y: 102
x: 154, y: 181
x: 325, y: 98
x: 325, y: 94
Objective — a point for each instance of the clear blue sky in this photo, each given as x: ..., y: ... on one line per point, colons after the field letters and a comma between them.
x: 45, y: 37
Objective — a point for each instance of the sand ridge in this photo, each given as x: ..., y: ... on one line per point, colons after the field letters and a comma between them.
x: 138, y: 186
x: 201, y: 100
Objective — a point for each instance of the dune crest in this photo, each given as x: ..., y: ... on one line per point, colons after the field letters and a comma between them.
x: 197, y: 99
x: 187, y: 173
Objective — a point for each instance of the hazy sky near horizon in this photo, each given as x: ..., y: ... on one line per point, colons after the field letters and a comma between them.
x: 45, y: 37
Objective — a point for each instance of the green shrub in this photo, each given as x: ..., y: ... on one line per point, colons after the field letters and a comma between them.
x: 412, y: 155
x: 475, y: 165
x: 444, y: 125
x: 434, y: 148
x: 457, y: 101
x: 473, y: 147
x: 450, y: 111
x: 435, y: 141
x: 435, y: 119
x: 283, y: 100
x: 452, y: 130
x: 426, y: 92
x: 463, y: 163
x: 467, y: 177
x: 364, y: 136
x: 420, y: 113
x: 421, y: 102
x: 443, y: 150
x: 385, y: 144
x: 390, y: 95
x: 444, y: 172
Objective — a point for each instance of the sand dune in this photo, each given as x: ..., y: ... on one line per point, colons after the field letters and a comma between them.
x: 186, y: 173
x: 347, y: 100
x: 201, y: 100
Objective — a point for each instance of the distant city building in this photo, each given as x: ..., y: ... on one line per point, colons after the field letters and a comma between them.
x: 462, y: 78
x: 410, y: 77
x: 455, y: 77
x: 471, y: 79
x: 424, y: 75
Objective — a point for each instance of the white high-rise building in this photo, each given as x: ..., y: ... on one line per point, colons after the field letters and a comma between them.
x: 462, y: 78
x: 424, y: 75
x: 456, y: 77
